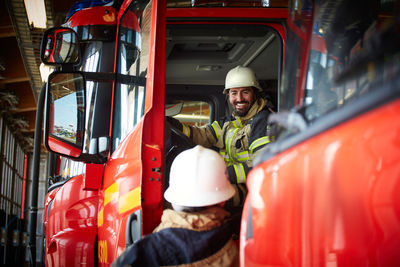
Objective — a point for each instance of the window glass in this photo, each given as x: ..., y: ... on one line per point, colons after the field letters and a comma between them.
x: 299, y: 24
x: 195, y: 113
x: 132, y: 60
x: 290, y: 76
x: 350, y: 54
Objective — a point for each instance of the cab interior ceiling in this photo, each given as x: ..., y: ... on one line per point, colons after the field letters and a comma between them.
x: 203, y: 54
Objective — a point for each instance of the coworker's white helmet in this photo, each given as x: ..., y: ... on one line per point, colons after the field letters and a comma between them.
x: 198, y: 178
x: 241, y: 77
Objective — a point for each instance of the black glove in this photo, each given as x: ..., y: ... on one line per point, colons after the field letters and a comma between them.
x: 174, y: 122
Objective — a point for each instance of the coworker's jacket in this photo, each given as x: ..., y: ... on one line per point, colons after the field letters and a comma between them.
x: 237, y: 138
x: 185, y: 239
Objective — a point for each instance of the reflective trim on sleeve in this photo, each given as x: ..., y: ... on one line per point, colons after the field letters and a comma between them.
x: 228, y: 141
x: 186, y: 130
x: 240, y: 173
x: 217, y: 129
x: 237, y: 123
x: 242, y: 156
x: 259, y: 142
x: 224, y: 155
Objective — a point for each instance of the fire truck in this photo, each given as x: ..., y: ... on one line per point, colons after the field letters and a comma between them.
x: 121, y: 67
x: 326, y: 192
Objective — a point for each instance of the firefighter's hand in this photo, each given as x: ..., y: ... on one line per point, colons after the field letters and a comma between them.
x: 174, y: 122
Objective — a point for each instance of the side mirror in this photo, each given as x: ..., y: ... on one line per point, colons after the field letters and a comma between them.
x: 64, y: 131
x: 60, y: 45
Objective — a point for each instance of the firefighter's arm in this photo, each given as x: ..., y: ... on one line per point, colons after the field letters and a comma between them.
x: 200, y: 135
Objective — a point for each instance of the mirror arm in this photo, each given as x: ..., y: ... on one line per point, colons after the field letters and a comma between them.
x: 66, y: 68
x: 100, y: 147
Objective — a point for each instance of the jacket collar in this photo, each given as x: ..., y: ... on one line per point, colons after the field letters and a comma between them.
x: 199, y: 221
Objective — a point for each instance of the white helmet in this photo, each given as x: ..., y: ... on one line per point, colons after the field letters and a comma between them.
x: 241, y: 77
x: 198, y: 178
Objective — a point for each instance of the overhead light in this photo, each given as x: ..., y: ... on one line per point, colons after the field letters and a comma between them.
x: 36, y: 11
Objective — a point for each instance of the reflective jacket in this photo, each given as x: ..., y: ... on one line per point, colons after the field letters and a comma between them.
x: 237, y: 138
x: 185, y: 239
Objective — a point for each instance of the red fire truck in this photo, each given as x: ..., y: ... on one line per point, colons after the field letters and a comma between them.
x: 121, y: 68
x: 326, y: 193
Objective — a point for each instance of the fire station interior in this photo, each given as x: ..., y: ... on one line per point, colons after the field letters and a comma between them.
x: 197, y: 60
x: 198, y: 57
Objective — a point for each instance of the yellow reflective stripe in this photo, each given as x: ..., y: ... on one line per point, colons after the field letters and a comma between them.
x: 237, y: 123
x: 224, y: 155
x: 129, y: 200
x: 240, y: 173
x: 186, y: 130
x: 229, y: 139
x: 111, y: 193
x: 242, y: 156
x: 100, y: 218
x: 259, y: 142
x: 217, y: 129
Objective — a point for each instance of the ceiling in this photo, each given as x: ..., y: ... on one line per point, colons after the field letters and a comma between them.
x: 204, y: 53
x: 20, y: 81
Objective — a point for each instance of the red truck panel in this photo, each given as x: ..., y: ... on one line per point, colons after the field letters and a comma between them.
x: 332, y: 200
x: 71, y: 227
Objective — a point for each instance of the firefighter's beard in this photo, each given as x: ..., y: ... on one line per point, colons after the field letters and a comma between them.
x: 241, y: 108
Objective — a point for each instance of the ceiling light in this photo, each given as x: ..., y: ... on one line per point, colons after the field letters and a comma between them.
x: 36, y: 11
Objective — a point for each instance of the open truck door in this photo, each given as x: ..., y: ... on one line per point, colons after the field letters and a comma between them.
x: 325, y: 193
x: 93, y: 216
x: 132, y: 185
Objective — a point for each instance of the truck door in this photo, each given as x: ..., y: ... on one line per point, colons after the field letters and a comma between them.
x: 132, y: 189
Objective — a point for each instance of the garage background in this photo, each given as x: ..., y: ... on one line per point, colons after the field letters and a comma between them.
x: 20, y: 85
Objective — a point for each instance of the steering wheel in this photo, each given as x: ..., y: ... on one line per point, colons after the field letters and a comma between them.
x: 176, y: 140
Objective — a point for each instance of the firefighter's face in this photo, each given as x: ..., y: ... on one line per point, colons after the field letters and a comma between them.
x: 241, y: 99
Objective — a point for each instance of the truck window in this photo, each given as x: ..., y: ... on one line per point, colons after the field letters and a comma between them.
x: 132, y: 60
x: 198, y: 57
x: 195, y: 113
x: 336, y: 74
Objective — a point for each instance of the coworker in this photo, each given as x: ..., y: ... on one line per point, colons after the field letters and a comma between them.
x: 240, y: 136
x: 197, y: 231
